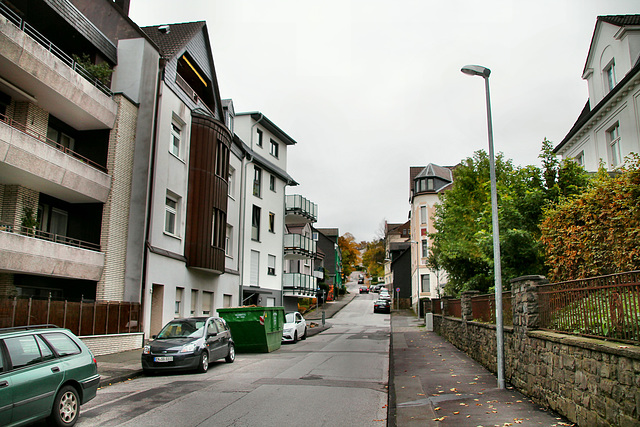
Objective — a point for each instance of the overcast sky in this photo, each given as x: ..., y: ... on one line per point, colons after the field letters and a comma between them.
x: 369, y: 88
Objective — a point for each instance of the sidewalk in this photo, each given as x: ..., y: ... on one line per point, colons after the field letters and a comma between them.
x: 118, y: 367
x: 432, y: 383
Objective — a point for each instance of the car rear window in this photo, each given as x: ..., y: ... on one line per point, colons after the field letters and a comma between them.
x: 62, y: 343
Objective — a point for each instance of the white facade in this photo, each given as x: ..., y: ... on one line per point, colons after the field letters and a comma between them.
x: 263, y: 179
x: 426, y: 185
x: 610, y: 129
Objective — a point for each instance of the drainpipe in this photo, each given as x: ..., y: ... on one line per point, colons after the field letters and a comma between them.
x: 151, y: 179
x: 243, y: 210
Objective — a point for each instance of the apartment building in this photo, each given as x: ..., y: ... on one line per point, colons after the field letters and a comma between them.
x: 426, y: 183
x: 607, y: 130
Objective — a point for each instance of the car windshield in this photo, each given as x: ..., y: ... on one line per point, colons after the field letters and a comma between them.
x: 182, y: 329
x: 290, y: 318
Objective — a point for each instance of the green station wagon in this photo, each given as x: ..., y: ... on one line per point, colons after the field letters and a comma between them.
x: 45, y: 372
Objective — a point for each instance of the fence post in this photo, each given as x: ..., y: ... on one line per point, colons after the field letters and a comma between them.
x: 466, y: 308
x: 445, y: 304
x: 526, y: 312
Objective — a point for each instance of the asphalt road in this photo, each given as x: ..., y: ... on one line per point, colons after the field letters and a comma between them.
x: 338, y: 377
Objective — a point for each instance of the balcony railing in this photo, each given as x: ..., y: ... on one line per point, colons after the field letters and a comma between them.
x: 43, y: 235
x: 296, y: 204
x: 44, y: 42
x: 297, y: 244
x: 24, y: 129
x: 298, y: 284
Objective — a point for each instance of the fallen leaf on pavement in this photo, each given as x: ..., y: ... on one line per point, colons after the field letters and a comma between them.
x: 439, y: 419
x: 456, y: 413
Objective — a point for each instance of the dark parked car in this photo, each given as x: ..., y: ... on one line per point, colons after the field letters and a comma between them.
x: 364, y: 290
x: 45, y: 372
x: 382, y: 306
x: 189, y: 344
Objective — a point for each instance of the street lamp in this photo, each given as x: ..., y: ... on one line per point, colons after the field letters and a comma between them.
x: 478, y: 70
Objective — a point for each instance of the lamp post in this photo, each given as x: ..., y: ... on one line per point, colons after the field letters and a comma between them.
x: 478, y: 70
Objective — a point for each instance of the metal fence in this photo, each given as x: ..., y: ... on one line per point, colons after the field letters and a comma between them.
x: 601, y: 307
x: 484, y: 308
x: 81, y: 317
x: 45, y: 235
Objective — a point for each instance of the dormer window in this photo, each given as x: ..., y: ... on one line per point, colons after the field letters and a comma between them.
x: 424, y: 184
x: 610, y: 76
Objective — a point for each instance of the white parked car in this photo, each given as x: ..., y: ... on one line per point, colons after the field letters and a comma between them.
x: 385, y: 295
x: 295, y: 327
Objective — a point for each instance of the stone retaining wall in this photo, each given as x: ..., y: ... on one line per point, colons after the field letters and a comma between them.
x: 591, y: 382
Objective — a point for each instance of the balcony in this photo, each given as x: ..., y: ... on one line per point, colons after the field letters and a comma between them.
x: 300, y: 210
x: 29, y: 159
x: 33, y: 69
x: 299, y: 285
x: 35, y: 252
x: 297, y: 246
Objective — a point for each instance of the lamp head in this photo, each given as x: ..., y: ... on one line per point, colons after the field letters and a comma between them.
x: 476, y: 70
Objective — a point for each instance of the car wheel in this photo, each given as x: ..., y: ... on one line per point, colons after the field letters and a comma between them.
x: 203, y: 366
x: 295, y: 337
x: 232, y: 354
x: 304, y: 336
x: 66, y: 407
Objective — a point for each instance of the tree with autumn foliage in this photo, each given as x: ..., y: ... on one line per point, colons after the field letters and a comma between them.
x: 596, y: 232
x: 373, y: 257
x: 463, y: 243
x: 350, y: 253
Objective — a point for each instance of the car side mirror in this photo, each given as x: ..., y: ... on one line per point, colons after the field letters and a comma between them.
x: 153, y: 337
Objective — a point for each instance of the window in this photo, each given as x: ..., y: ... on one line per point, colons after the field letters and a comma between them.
x: 610, y: 76
x: 218, y: 228
x: 257, y: 181
x: 60, y: 138
x: 178, y: 303
x: 272, y: 183
x: 62, y: 343
x: 579, y: 159
x: 207, y: 303
x: 255, y: 268
x: 228, y: 242
x: 194, y: 301
x: 425, y: 248
x: 425, y: 283
x: 255, y: 223
x: 271, y: 268
x: 231, y: 182
x: 430, y: 184
x: 272, y: 222
x: 171, y: 215
x: 423, y: 214
x: 23, y: 351
x: 613, y: 137
x: 176, y: 136
x: 274, y: 148
x: 259, y: 142
x: 227, y: 300
x: 222, y: 159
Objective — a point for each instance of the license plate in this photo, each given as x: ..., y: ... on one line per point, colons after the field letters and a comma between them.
x: 163, y: 359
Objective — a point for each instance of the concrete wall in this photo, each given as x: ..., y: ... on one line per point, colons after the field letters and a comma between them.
x: 591, y: 382
x: 108, y: 344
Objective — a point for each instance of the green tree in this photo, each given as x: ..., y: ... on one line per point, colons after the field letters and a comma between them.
x: 597, y: 231
x: 350, y: 253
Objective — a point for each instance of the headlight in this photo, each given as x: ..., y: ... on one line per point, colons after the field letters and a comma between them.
x: 189, y: 348
x: 146, y: 349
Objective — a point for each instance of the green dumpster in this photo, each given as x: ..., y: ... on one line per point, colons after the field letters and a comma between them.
x: 255, y: 329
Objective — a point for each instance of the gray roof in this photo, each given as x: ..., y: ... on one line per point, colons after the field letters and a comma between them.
x: 175, y: 38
